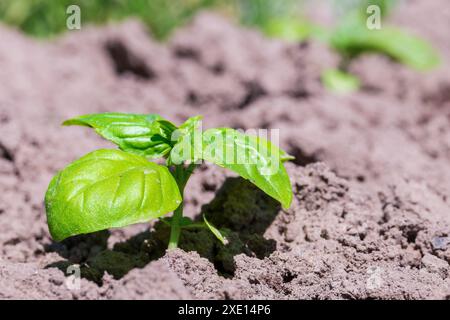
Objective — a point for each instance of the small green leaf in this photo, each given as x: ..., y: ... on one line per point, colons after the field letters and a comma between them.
x: 252, y: 157
x: 215, y: 231
x: 108, y: 189
x: 187, y: 128
x: 353, y: 37
x: 188, y: 147
x: 340, y: 82
x: 284, y: 156
x: 144, y: 135
x: 191, y: 124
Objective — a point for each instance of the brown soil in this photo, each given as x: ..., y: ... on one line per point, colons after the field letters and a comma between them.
x: 371, y: 212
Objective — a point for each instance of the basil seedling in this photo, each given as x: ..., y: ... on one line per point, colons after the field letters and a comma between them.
x: 112, y: 188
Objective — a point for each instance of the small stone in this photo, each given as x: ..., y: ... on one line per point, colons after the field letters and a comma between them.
x: 440, y: 242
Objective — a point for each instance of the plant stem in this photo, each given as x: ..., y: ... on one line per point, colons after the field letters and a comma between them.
x: 181, y: 175
x: 175, y: 227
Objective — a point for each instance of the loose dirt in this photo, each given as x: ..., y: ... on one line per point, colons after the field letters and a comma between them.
x: 371, y: 179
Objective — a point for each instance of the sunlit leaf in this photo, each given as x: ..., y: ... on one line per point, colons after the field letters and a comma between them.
x: 108, y: 189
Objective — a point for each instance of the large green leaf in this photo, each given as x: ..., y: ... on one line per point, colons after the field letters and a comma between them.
x: 252, y: 157
x: 144, y: 135
x: 108, y: 189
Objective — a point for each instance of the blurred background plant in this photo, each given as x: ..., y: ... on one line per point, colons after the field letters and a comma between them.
x: 284, y: 19
x: 44, y: 18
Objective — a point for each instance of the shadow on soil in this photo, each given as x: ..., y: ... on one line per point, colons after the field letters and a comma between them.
x: 240, y: 210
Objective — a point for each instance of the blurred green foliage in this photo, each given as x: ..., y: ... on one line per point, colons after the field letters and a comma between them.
x: 352, y: 38
x: 260, y: 12
x: 276, y: 18
x: 339, y: 81
x: 44, y: 18
x: 345, y: 6
x: 294, y: 29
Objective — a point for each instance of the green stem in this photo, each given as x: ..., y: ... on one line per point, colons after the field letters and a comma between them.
x: 181, y: 175
x: 175, y: 227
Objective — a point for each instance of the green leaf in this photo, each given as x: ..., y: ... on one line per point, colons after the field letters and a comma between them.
x: 252, y: 157
x: 145, y: 135
x: 187, y: 128
x: 294, y: 29
x: 190, y: 124
x: 353, y: 37
x: 340, y: 82
x: 185, y: 131
x: 108, y: 189
x: 284, y: 156
x: 215, y: 232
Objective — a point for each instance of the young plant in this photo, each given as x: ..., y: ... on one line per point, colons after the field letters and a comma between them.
x: 112, y: 188
x: 352, y: 37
